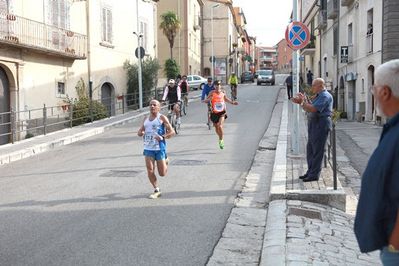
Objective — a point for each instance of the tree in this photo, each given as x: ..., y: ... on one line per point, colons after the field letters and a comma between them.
x: 170, y: 25
x: 150, y: 69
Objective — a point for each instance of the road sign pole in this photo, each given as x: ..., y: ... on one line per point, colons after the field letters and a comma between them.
x: 295, y: 83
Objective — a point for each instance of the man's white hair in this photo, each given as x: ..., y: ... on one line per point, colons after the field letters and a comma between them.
x: 387, y: 74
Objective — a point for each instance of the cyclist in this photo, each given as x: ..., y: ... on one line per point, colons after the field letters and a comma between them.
x: 207, y: 88
x: 218, y: 100
x: 154, y: 130
x: 184, y: 88
x: 173, y: 93
x: 233, y: 81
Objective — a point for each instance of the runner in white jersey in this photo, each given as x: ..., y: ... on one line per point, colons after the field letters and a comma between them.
x: 154, y: 130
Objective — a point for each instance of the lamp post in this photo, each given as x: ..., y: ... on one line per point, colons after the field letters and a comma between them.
x: 212, y: 56
x: 139, y: 57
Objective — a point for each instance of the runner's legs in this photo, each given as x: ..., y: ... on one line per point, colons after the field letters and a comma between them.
x: 150, y: 164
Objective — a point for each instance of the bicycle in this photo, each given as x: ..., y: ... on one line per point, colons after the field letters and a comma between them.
x: 172, y: 117
x: 209, y: 116
x: 233, y: 91
x: 184, y: 105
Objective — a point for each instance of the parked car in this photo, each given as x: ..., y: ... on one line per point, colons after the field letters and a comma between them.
x: 196, y: 82
x: 247, y: 76
x: 265, y: 76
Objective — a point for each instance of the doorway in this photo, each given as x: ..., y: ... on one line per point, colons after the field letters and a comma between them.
x: 5, y: 117
x: 107, y: 98
x: 370, y: 112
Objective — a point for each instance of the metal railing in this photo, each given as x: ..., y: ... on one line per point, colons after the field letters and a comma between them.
x: 369, y: 41
x: 17, y: 125
x: 23, y: 32
x: 331, y: 154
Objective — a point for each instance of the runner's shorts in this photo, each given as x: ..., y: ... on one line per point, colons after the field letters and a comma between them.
x: 216, y: 116
x: 156, y: 155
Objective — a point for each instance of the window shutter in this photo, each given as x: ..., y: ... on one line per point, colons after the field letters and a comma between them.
x: 109, y: 26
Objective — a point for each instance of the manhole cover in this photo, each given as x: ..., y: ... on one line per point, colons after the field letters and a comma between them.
x: 188, y: 162
x: 120, y: 173
x: 305, y: 213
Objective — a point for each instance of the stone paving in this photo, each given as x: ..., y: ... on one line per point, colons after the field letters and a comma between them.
x: 306, y: 233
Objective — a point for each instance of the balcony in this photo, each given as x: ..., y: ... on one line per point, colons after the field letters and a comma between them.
x: 266, y: 58
x: 350, y: 53
x: 332, y: 9
x: 369, y: 43
x: 25, y: 33
x: 346, y: 2
x: 309, y: 49
x: 322, y: 19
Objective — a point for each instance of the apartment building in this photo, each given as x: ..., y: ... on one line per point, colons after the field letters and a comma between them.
x: 345, y: 48
x: 266, y: 57
x: 283, y: 57
x: 49, y: 46
x: 187, y: 45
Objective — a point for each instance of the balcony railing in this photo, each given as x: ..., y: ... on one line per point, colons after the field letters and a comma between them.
x: 22, y: 32
x: 266, y: 58
x: 322, y: 19
x: 309, y: 49
x: 346, y: 2
x: 332, y: 9
x: 350, y: 53
x: 369, y: 40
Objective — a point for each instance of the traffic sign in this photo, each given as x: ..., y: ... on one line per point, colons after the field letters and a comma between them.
x: 297, y: 35
x: 142, y: 52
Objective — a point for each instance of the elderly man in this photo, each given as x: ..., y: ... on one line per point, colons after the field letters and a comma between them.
x: 319, y: 124
x: 377, y: 216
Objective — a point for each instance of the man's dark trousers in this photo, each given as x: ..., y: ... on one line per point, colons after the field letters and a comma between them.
x: 318, y: 128
x: 289, y: 91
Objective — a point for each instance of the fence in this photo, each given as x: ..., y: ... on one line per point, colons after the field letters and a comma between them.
x: 18, y: 125
x: 331, y: 156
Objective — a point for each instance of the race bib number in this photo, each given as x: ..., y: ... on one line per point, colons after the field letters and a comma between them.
x: 219, y: 106
x: 149, y: 140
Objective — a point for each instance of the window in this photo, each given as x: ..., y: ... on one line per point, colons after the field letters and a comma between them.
x: 350, y: 38
x: 61, y: 88
x: 144, y: 31
x: 106, y: 24
x: 57, y: 15
x: 335, y: 40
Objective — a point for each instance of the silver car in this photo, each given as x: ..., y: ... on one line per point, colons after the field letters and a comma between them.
x: 265, y: 76
x: 196, y: 82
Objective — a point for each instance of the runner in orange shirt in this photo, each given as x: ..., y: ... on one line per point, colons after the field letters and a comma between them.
x: 218, y: 100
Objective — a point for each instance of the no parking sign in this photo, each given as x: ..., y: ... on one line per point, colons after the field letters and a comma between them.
x: 297, y: 35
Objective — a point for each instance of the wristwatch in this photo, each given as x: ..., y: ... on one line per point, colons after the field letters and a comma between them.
x: 302, y: 103
x: 392, y: 249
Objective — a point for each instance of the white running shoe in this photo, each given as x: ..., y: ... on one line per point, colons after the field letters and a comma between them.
x: 155, y: 195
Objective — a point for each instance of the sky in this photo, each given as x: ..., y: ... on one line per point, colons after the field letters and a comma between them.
x: 266, y: 19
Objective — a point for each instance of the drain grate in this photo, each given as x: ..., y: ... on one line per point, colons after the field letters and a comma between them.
x: 188, y: 162
x: 260, y: 148
x: 120, y: 173
x: 305, y: 213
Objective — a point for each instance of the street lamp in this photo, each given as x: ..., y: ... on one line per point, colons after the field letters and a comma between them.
x: 212, y: 56
x: 139, y: 36
x: 139, y: 57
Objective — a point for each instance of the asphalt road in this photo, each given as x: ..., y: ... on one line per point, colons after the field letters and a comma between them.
x: 87, y: 203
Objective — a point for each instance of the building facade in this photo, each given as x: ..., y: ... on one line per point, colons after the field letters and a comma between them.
x: 187, y: 45
x: 283, y: 57
x: 50, y: 47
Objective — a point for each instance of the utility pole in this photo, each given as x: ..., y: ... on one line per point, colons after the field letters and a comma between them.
x: 295, y: 83
x: 90, y: 82
x: 139, y: 35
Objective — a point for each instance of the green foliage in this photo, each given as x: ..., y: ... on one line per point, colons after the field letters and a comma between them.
x: 171, y: 69
x: 81, y: 106
x: 149, y: 72
x: 336, y: 115
x: 170, y: 25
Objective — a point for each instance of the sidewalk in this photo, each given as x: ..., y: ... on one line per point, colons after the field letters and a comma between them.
x: 299, y: 232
